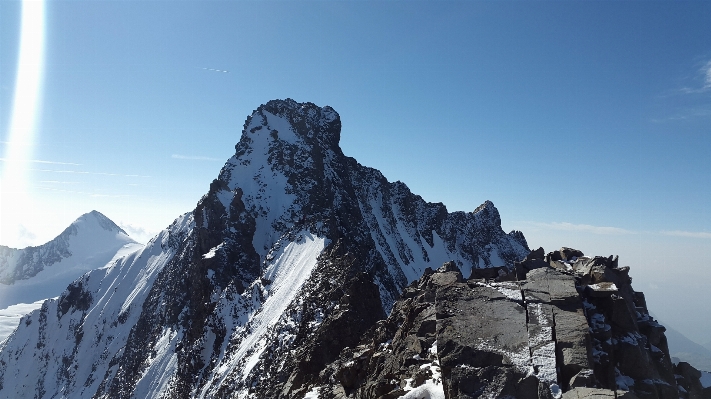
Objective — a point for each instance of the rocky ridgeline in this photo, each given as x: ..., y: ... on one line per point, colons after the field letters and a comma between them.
x: 261, y: 286
x: 557, y: 325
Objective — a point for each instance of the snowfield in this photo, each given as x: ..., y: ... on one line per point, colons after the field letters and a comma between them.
x: 90, y: 242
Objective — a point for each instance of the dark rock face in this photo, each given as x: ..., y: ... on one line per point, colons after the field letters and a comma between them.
x: 566, y: 330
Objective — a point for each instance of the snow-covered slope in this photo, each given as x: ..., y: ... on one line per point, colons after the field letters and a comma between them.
x: 33, y: 274
x: 292, y: 242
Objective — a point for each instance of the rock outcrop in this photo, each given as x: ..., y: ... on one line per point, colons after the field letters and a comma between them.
x: 572, y: 327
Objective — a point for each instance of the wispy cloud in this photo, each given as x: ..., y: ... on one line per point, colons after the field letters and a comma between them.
x: 80, y: 172
x: 44, y: 162
x: 704, y: 75
x: 689, y: 114
x: 85, y: 193
x: 138, y: 233
x: 586, y: 228
x: 689, y: 234
x: 58, y: 182
x: 194, y: 158
x: 609, y: 230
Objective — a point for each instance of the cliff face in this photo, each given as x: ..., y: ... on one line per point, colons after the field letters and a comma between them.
x: 561, y: 325
x: 238, y: 297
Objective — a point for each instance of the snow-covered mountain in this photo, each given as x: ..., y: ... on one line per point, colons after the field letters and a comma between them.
x: 295, y: 251
x: 34, y: 274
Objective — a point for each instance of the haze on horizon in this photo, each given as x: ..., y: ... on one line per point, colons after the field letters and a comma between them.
x: 587, y: 124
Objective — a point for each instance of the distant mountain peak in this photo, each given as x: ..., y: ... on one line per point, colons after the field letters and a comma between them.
x: 100, y: 219
x: 90, y: 233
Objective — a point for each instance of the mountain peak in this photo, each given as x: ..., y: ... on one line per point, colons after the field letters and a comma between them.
x: 100, y: 219
x: 91, y: 236
x: 293, y: 122
x: 93, y: 221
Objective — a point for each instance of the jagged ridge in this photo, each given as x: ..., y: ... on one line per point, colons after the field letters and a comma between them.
x: 221, y: 303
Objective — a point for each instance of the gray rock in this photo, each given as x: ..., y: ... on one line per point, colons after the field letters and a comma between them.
x: 573, y: 346
x: 589, y: 393
x: 539, y: 254
x: 570, y: 253
x: 489, y: 329
x: 490, y: 382
x: 584, y: 378
x: 560, y: 286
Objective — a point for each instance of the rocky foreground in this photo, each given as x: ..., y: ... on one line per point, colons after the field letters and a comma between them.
x: 559, y: 325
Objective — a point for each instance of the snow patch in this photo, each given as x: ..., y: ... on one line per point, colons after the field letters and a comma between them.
x: 160, y: 368
x: 705, y: 379
x: 509, y: 289
x: 10, y: 317
x: 282, y: 126
x: 211, y: 253
x: 289, y: 268
x: 312, y: 394
x: 606, y: 286
x: 430, y: 389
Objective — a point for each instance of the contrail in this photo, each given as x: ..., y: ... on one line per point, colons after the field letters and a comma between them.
x: 216, y: 70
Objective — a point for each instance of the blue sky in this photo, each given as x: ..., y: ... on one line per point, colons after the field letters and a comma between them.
x: 588, y: 124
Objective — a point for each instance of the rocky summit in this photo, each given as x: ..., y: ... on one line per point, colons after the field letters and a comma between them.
x: 303, y: 274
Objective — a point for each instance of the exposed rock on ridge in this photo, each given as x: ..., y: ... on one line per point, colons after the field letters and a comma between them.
x: 242, y: 296
x: 572, y: 327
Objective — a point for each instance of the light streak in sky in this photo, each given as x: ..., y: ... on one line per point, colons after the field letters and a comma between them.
x: 15, y: 201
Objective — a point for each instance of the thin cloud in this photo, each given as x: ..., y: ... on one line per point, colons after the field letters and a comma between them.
x: 608, y: 230
x: 44, y: 162
x: 84, y: 192
x: 690, y: 114
x: 194, y: 158
x: 138, y: 233
x: 585, y: 228
x: 689, y: 234
x: 705, y: 74
x: 25, y: 234
x: 79, y: 172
